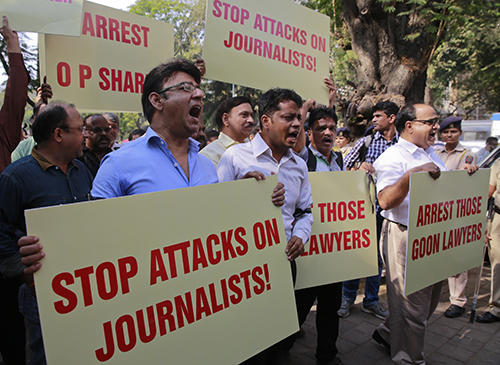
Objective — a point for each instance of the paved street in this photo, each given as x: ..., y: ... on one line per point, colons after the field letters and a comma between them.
x: 448, y: 341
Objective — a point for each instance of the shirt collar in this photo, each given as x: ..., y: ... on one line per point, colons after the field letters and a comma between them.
x: 226, y: 141
x: 458, y: 148
x: 379, y: 135
x: 260, y: 147
x: 43, y: 162
x: 194, y: 145
x: 319, y: 154
x: 412, y: 148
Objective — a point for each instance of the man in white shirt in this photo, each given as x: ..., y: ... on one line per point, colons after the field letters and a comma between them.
x: 234, y: 118
x: 402, y: 333
x: 270, y: 152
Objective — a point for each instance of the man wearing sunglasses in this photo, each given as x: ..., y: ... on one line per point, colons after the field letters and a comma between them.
x: 97, y: 141
x: 403, y: 332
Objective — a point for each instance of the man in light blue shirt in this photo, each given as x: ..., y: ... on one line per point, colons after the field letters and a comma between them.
x: 166, y: 158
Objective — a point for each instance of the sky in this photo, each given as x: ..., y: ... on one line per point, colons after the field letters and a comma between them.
x: 117, y: 4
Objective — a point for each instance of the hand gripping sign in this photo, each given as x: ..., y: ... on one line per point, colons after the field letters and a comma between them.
x: 160, y: 276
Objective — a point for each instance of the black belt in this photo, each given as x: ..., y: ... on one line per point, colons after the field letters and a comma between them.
x: 400, y: 225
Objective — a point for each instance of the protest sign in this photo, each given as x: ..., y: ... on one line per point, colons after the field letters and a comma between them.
x: 446, y: 226
x: 104, y: 69
x: 160, y: 278
x: 265, y: 44
x: 343, y: 242
x: 63, y: 17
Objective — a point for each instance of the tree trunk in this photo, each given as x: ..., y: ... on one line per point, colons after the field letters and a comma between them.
x: 389, y: 67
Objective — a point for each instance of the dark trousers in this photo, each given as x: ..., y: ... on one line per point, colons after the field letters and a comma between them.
x: 271, y: 355
x: 12, y: 330
x: 327, y: 320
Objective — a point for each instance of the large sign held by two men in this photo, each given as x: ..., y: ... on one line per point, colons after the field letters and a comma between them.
x: 343, y: 242
x: 62, y: 17
x: 159, y: 276
x: 268, y: 43
x: 446, y: 226
x: 104, y: 69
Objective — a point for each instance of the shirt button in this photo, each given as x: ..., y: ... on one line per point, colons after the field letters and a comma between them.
x: 74, y: 197
x: 57, y: 167
x: 175, y: 164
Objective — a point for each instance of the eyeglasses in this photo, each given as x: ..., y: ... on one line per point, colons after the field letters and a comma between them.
x: 187, y: 86
x: 77, y: 128
x: 98, y: 130
x: 430, y: 122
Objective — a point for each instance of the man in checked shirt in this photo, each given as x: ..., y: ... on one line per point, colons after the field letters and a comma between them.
x: 364, y: 153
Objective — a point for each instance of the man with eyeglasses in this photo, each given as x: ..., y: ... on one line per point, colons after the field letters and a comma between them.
x: 166, y: 157
x: 51, y: 175
x: 97, y: 141
x: 403, y: 332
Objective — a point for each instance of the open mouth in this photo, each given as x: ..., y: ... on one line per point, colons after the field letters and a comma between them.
x: 327, y: 140
x: 293, y: 136
x: 195, y: 111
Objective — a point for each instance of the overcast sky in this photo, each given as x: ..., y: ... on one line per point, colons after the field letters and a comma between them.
x: 117, y: 4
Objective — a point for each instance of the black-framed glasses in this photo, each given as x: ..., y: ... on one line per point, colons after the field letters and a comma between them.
x: 187, y: 86
x: 430, y: 122
x: 98, y: 130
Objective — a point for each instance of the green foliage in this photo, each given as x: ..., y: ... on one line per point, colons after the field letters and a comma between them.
x: 30, y: 56
x: 187, y: 17
x: 469, y: 59
x: 129, y: 122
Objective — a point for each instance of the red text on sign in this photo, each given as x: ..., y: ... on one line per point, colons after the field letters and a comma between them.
x: 108, y: 277
x: 171, y: 315
x: 114, y: 30
x: 230, y: 12
x: 340, y: 211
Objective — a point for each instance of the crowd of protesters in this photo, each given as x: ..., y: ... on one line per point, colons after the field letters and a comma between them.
x: 69, y: 159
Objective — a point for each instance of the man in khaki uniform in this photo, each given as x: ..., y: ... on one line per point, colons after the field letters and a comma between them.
x: 494, y: 314
x: 454, y: 155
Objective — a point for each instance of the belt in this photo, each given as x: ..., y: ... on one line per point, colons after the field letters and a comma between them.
x: 400, y: 225
x: 496, y: 209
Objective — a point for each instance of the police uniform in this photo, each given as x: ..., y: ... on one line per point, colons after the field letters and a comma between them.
x: 453, y: 160
x: 344, y: 132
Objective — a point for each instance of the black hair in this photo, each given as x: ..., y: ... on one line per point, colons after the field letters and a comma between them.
x: 320, y: 113
x: 92, y: 117
x: 406, y: 114
x: 227, y: 105
x: 136, y: 132
x: 51, y: 117
x: 210, y: 133
x: 270, y: 101
x: 388, y: 107
x: 491, y: 139
x: 160, y: 74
